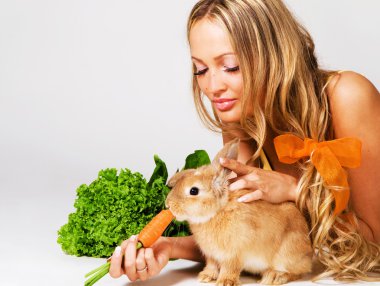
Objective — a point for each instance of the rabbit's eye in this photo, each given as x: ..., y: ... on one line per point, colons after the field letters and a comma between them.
x: 194, y: 191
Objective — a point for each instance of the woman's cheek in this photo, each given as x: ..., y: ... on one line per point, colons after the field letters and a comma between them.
x: 236, y: 84
x: 202, y: 85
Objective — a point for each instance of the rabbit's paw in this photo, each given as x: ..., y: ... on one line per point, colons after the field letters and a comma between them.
x: 228, y: 282
x: 207, y: 275
x: 273, y: 277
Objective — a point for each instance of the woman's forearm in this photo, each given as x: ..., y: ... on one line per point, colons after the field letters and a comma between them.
x: 185, y: 248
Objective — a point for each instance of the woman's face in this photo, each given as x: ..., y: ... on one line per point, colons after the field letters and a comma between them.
x: 217, y: 69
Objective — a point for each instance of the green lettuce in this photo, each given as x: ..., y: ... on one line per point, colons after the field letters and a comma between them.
x: 197, y: 159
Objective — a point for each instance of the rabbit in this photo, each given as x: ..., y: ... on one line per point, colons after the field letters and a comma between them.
x: 256, y: 237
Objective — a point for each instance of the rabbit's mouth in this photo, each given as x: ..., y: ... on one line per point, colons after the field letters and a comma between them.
x: 191, y: 218
x: 178, y: 216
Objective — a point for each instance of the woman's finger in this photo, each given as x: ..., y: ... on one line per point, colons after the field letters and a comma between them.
x: 250, y: 181
x: 163, y: 258
x: 235, y: 166
x: 153, y: 267
x: 141, y: 265
x: 116, y: 270
x: 238, y: 185
x: 256, y: 195
x: 251, y: 176
x: 130, y: 259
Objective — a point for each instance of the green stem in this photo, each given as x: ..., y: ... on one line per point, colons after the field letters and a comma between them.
x: 102, y: 270
x: 97, y: 274
x: 96, y: 277
x: 98, y: 269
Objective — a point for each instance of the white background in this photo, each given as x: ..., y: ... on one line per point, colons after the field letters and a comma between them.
x: 86, y: 85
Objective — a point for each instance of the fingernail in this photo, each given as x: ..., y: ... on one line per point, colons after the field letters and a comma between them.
x: 117, y: 251
x: 133, y: 238
x: 222, y: 160
x: 242, y: 199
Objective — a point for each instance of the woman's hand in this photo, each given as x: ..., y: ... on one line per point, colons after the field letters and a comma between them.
x: 142, y: 263
x: 266, y: 185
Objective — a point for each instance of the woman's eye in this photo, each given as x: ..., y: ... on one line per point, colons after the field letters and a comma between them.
x: 232, y: 69
x: 201, y: 72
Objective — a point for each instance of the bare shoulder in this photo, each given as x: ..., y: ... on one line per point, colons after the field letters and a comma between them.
x: 350, y: 87
x: 354, y: 104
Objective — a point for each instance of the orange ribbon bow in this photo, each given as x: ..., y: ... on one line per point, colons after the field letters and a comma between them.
x: 328, y: 157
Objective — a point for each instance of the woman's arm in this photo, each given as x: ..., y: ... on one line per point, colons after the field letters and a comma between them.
x: 185, y: 248
x: 355, y: 109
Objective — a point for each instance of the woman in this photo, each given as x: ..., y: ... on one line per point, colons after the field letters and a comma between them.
x: 256, y: 65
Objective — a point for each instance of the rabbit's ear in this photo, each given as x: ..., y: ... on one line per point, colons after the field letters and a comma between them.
x: 177, y: 176
x: 230, y: 151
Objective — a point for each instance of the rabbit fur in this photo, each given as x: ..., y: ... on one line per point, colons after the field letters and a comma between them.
x: 257, y: 237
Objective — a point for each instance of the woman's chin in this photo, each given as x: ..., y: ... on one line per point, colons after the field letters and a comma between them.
x: 229, y: 117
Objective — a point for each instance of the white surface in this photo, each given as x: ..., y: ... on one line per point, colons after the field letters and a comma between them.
x: 86, y: 85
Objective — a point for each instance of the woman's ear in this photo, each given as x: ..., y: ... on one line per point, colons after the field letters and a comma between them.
x: 177, y: 176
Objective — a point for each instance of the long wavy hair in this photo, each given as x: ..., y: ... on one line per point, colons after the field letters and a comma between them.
x: 277, y: 61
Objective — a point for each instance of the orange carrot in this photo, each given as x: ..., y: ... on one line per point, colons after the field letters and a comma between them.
x: 154, y: 229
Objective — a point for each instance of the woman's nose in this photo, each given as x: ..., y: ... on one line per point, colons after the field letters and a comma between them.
x: 215, y: 83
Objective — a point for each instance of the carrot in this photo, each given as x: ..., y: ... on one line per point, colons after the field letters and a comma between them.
x: 149, y: 235
x: 154, y: 229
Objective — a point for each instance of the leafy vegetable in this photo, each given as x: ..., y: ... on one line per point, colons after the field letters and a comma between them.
x: 197, y: 159
x: 109, y: 210
x: 159, y: 171
x: 117, y: 205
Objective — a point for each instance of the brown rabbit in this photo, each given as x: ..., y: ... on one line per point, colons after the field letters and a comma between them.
x: 258, y: 237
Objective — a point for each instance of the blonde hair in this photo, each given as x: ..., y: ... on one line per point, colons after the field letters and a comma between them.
x: 277, y: 62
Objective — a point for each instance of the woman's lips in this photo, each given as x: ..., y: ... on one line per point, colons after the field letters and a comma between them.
x: 224, y: 104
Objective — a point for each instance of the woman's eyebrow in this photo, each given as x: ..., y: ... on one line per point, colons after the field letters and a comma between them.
x: 216, y: 58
